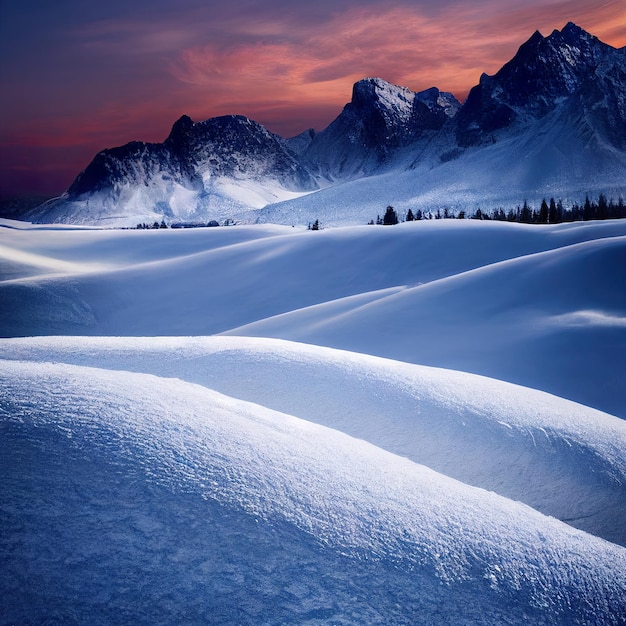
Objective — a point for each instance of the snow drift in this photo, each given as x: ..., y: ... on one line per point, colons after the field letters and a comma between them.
x: 229, y: 476
x: 561, y: 458
x: 542, y: 306
x: 231, y: 479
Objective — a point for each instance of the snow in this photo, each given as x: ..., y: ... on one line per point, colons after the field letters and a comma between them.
x: 392, y: 98
x: 481, y: 431
x: 337, y: 498
x: 446, y: 446
x: 458, y: 294
x: 539, y: 160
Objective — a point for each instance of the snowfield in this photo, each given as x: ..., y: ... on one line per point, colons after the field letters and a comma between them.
x: 265, y: 425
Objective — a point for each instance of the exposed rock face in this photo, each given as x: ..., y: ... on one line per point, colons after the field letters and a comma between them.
x: 379, y: 119
x: 221, y: 146
x: 542, y: 75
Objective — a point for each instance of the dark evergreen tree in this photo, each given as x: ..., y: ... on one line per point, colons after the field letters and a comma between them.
x: 526, y: 216
x: 553, y: 217
x: 602, y: 212
x: 409, y: 216
x: 391, y: 217
x: 316, y: 225
x: 542, y: 217
x: 499, y: 215
x: 419, y: 215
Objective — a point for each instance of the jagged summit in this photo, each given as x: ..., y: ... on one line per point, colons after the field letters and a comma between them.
x: 380, y: 119
x: 544, y: 71
x: 220, y: 166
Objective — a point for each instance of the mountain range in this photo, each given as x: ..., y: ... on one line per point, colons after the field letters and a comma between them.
x: 550, y: 123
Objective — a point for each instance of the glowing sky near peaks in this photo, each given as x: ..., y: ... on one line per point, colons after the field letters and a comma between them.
x: 78, y: 77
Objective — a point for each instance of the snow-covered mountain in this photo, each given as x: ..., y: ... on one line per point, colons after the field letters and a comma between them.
x: 544, y: 72
x: 218, y: 167
x: 550, y: 123
x: 380, y: 119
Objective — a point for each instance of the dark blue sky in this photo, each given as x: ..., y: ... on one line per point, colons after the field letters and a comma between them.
x: 81, y: 76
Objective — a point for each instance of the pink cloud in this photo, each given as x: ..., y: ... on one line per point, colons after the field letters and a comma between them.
x: 125, y: 79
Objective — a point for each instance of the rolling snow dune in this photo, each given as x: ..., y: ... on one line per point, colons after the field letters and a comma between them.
x: 154, y: 474
x: 553, y: 321
x: 549, y: 321
x: 137, y: 488
x: 561, y: 458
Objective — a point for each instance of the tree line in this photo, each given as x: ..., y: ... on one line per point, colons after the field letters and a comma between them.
x: 549, y: 212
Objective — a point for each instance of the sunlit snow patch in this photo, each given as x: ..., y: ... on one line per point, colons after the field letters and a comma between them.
x: 122, y: 503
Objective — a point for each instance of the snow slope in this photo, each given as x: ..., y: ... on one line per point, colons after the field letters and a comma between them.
x: 539, y: 306
x: 549, y: 319
x: 546, y: 160
x: 522, y: 444
x: 197, y: 499
x: 197, y: 478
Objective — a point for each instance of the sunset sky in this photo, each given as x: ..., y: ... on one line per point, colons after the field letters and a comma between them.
x: 80, y: 76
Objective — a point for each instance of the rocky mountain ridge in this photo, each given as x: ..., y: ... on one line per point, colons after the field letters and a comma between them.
x: 551, y: 121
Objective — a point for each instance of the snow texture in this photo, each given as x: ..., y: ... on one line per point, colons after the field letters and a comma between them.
x: 159, y: 464
x: 541, y: 306
x: 523, y: 444
x: 125, y: 503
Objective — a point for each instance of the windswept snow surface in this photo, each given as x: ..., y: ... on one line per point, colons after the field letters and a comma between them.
x: 152, y: 473
x: 217, y: 510
x: 544, y: 307
x: 523, y: 444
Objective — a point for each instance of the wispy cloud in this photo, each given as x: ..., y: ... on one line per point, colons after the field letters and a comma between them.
x: 401, y: 43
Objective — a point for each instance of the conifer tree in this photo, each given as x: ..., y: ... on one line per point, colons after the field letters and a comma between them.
x: 391, y: 217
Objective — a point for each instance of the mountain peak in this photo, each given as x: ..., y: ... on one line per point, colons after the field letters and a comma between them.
x: 568, y: 84
x: 372, y: 91
x: 180, y: 129
x: 380, y: 118
x: 544, y: 71
x: 570, y: 29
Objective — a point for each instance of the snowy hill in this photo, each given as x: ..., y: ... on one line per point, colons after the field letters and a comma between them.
x: 456, y: 293
x: 213, y: 510
x: 196, y: 478
x: 550, y: 122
